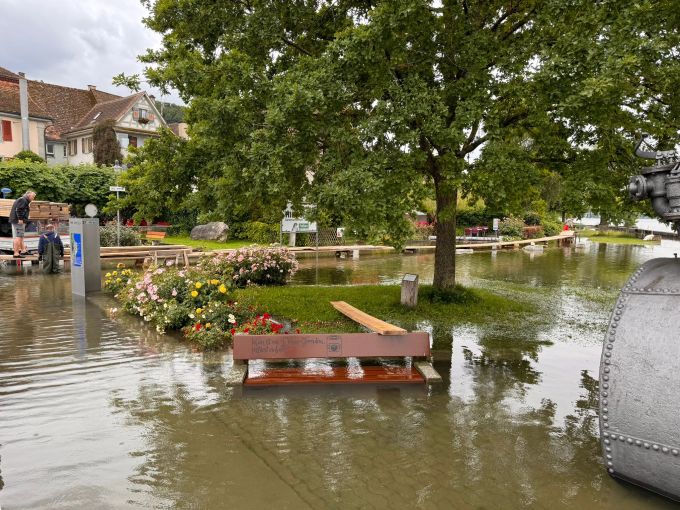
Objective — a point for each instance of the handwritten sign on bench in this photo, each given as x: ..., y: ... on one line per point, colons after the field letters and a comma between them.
x: 321, y: 345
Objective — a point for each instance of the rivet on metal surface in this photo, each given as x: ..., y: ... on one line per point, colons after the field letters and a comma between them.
x: 610, y: 470
x: 610, y: 346
x: 617, y: 318
x: 674, y: 451
x: 605, y: 377
x: 605, y: 385
x: 607, y: 361
x: 664, y: 449
x: 604, y: 410
x: 605, y: 425
x: 655, y: 447
x: 646, y: 445
x: 605, y: 417
x: 609, y: 457
x: 606, y: 441
x: 614, y: 325
x: 606, y: 434
x: 607, y: 354
x: 606, y: 370
x: 610, y: 463
x: 605, y: 394
x: 604, y: 402
x: 630, y: 440
x: 638, y: 442
x: 622, y: 438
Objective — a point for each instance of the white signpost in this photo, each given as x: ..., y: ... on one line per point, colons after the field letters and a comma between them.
x: 291, y: 225
x: 118, y: 190
x: 495, y: 224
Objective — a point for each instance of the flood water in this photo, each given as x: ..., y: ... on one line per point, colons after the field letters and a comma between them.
x: 100, y: 412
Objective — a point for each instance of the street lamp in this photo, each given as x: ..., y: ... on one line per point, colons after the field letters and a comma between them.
x: 118, y: 168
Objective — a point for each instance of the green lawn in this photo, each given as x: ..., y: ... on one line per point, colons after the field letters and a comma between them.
x: 309, y: 308
x: 206, y: 245
x: 614, y: 237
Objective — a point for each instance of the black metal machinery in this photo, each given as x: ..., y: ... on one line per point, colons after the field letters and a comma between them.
x: 639, y: 376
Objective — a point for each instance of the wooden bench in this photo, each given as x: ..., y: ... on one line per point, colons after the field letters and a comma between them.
x: 161, y: 256
x: 323, y: 345
x: 155, y: 236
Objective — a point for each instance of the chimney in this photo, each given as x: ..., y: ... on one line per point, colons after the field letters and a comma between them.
x: 23, y: 105
x: 92, y: 88
x: 152, y: 97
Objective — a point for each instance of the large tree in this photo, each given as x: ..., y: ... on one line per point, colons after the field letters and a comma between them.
x: 366, y: 107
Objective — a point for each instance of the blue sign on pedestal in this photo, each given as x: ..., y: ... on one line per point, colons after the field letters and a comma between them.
x: 77, y: 249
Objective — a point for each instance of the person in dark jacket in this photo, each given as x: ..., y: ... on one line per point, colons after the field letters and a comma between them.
x: 50, y: 250
x: 18, y: 217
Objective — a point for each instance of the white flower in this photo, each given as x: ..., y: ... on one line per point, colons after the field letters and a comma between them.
x: 232, y: 319
x: 192, y: 316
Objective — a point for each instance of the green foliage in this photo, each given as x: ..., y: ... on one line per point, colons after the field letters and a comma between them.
x: 252, y: 266
x: 386, y: 103
x: 511, y: 226
x: 171, y: 112
x: 551, y: 228
x: 29, y: 156
x: 108, y: 236
x: 75, y: 185
x: 532, y: 218
x: 258, y: 232
x: 106, y: 147
x: 458, y: 295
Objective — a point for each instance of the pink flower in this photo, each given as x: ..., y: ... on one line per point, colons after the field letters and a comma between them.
x: 174, y: 292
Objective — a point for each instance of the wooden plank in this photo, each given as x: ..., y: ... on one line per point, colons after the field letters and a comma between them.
x: 324, y: 345
x: 427, y: 371
x: 368, y: 321
x: 335, y: 375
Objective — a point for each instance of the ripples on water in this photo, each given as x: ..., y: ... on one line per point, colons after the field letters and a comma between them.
x: 102, y: 413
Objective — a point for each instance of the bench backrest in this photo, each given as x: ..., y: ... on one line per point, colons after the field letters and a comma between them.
x: 324, y: 345
x: 155, y: 235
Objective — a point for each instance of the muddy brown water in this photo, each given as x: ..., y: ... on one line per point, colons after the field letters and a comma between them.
x: 101, y: 412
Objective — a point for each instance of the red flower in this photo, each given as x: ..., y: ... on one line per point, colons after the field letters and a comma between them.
x: 197, y: 327
x: 297, y: 331
x: 233, y: 331
x: 267, y: 316
x: 246, y: 330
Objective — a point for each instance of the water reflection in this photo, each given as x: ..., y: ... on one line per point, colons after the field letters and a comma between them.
x: 100, y: 411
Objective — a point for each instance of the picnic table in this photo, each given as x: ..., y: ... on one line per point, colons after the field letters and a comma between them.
x: 476, y: 231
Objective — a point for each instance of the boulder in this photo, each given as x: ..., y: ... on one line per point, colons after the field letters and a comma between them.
x: 213, y: 231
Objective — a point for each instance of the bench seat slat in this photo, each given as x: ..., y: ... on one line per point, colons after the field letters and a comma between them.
x: 336, y: 375
x: 368, y: 321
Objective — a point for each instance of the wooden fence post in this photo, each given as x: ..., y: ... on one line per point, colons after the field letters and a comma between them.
x: 409, y: 290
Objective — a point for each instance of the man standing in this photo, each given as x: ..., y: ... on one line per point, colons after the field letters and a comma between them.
x: 50, y: 250
x: 18, y: 217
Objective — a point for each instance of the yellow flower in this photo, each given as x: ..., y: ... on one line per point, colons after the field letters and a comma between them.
x: 115, y: 273
x: 198, y: 310
x: 107, y: 282
x: 118, y: 280
x: 215, y: 282
x: 208, y: 326
x: 223, y: 289
x: 108, y: 275
x: 120, y: 265
x: 199, y: 285
x: 194, y: 293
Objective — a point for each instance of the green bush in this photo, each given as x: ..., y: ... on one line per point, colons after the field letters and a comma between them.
x: 532, y: 218
x: 261, y: 233
x: 511, y: 226
x: 29, y: 156
x: 128, y: 236
x: 551, y: 228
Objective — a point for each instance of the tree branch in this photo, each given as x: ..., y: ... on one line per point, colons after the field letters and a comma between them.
x: 296, y: 46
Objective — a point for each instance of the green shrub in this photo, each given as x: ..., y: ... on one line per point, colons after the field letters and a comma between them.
x: 29, y: 156
x: 532, y: 218
x: 261, y: 233
x: 128, y: 236
x: 511, y: 226
x: 551, y: 228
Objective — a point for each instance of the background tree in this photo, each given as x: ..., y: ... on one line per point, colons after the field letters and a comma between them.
x: 364, y: 108
x: 106, y: 146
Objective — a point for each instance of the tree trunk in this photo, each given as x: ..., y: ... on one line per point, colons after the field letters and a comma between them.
x: 445, y: 254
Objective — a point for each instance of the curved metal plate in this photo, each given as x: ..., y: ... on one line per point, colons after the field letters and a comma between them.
x: 640, y: 380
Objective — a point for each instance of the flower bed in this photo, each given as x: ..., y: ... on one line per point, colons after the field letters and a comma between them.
x: 197, y: 300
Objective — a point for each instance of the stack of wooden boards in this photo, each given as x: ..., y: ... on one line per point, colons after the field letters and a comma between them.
x: 40, y: 210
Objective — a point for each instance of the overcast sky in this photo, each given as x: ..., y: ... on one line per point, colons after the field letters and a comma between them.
x: 76, y: 42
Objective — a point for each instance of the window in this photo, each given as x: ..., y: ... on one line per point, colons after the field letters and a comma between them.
x: 87, y: 145
x: 73, y: 147
x: 6, y: 129
x: 64, y: 146
x: 49, y: 149
x: 132, y: 140
x: 142, y: 115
